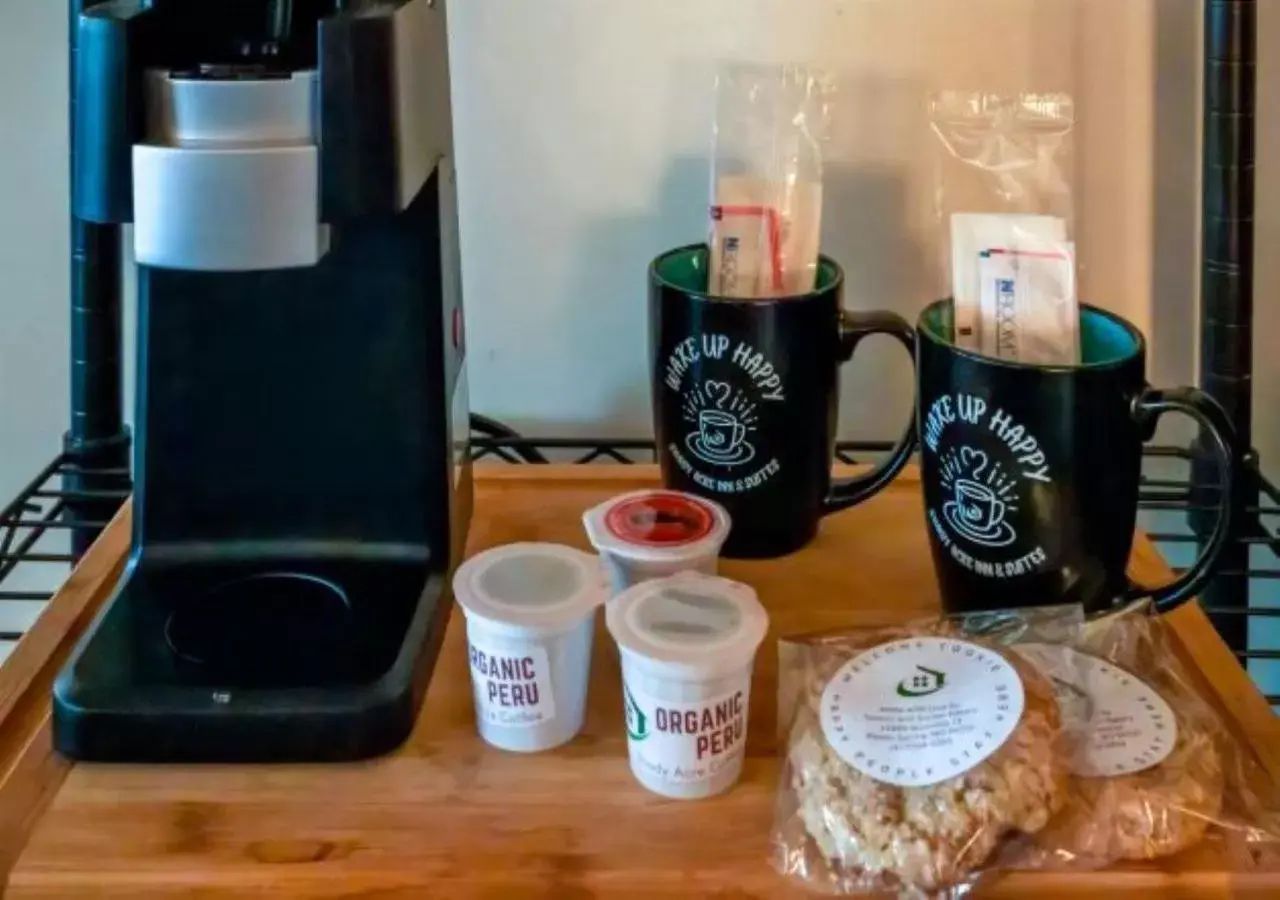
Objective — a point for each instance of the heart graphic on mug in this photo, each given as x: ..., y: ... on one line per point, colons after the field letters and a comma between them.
x: 718, y: 392
x: 973, y: 461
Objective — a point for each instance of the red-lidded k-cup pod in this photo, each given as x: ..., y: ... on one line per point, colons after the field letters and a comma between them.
x: 652, y: 533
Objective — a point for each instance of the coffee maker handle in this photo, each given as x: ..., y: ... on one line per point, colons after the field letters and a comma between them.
x: 854, y: 326
x: 1148, y: 407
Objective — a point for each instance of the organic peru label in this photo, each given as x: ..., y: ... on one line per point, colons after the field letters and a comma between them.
x: 685, y: 743
x: 512, y: 689
x: 1125, y: 725
x: 921, y: 710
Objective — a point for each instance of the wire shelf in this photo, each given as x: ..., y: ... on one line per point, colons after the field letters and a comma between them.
x: 1245, y: 615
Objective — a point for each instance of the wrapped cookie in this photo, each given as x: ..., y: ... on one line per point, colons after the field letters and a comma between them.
x: 1154, y: 768
x: 915, y: 753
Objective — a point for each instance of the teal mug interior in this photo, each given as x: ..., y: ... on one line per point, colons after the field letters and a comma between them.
x: 1105, y: 338
x: 687, y: 269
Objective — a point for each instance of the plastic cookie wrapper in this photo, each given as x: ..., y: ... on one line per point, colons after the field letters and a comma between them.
x: 916, y: 753
x: 1155, y: 769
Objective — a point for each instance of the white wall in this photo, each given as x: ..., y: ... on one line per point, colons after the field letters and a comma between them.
x: 582, y: 129
x: 33, y: 238
x: 583, y: 132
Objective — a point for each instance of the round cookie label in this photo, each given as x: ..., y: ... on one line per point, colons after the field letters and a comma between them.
x: 918, y: 711
x: 1126, y: 726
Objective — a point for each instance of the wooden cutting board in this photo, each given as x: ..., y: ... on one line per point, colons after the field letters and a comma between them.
x: 447, y: 816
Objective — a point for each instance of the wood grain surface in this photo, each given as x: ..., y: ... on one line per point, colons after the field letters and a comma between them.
x: 30, y: 772
x: 447, y: 816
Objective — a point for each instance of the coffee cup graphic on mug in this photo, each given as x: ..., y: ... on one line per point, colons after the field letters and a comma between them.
x: 720, y: 435
x: 977, y: 509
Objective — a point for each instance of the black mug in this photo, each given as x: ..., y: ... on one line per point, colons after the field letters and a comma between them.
x: 1031, y: 472
x: 745, y: 398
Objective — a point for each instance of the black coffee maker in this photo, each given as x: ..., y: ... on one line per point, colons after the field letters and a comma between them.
x: 302, y: 479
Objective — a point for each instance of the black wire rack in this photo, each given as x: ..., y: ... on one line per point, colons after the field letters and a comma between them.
x: 40, y: 509
x: 74, y: 496
x: 1166, y: 505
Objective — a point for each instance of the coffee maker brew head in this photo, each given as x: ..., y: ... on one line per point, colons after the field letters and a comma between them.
x: 231, y: 132
x: 228, y: 176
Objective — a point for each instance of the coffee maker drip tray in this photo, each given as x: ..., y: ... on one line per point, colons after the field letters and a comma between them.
x: 264, y: 660
x: 279, y: 629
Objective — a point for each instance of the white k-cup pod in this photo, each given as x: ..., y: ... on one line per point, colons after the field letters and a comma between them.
x: 688, y: 643
x: 530, y: 612
x: 653, y: 533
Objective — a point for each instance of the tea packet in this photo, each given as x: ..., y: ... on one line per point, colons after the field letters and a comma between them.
x: 915, y: 753
x: 1004, y: 210
x: 1155, y: 770
x: 766, y: 180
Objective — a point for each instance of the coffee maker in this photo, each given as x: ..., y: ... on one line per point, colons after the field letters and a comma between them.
x: 302, y: 484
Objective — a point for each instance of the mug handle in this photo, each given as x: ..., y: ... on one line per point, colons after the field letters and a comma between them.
x: 854, y: 326
x: 1149, y: 406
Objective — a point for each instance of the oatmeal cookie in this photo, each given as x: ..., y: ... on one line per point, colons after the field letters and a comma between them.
x: 879, y: 836
x: 1145, y: 815
x: 1164, y: 808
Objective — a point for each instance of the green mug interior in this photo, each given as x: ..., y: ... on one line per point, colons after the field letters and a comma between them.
x: 1104, y: 339
x: 687, y: 269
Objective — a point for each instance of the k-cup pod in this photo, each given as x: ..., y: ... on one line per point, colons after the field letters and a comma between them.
x: 530, y: 612
x: 688, y: 643
x: 654, y: 533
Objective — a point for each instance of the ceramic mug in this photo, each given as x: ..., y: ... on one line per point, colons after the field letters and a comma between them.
x: 745, y: 396
x: 1031, y: 472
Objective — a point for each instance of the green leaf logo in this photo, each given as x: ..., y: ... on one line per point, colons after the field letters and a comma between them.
x: 637, y: 721
x: 922, y: 684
